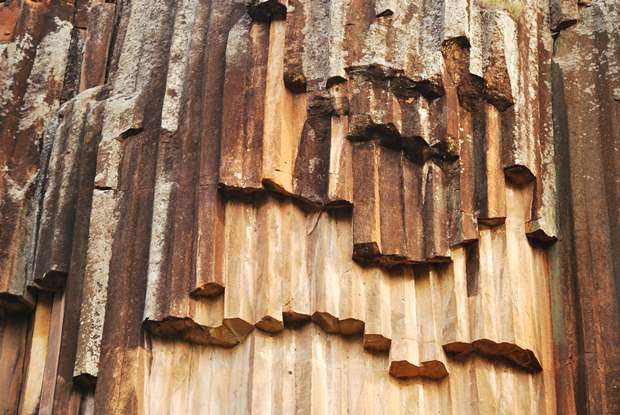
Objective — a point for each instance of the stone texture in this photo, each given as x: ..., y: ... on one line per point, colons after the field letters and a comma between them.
x: 313, y: 206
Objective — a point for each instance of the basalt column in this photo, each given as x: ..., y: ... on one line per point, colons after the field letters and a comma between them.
x: 309, y: 206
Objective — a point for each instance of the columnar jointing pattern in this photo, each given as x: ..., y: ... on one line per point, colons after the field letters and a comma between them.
x: 293, y: 182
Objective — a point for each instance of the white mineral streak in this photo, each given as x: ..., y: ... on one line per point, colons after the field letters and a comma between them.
x: 604, y: 17
x: 337, y: 13
x: 316, y: 33
x: 384, y: 7
x: 109, y: 156
x: 11, y: 56
x: 40, y: 101
x: 162, y: 209
x: 375, y: 44
x: 101, y: 233
x: 425, y: 122
x: 455, y: 18
x: 528, y: 113
x: 123, y: 113
x: 431, y: 38
x: 46, y: 78
x: 547, y: 220
x: 141, y: 55
x: 405, y: 32
x: 238, y: 43
x: 17, y: 191
x: 477, y: 39
x: 178, y: 66
x: 508, y: 29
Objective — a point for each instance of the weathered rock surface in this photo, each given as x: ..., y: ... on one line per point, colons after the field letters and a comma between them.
x: 314, y: 206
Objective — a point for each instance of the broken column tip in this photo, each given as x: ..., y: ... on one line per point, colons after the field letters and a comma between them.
x: 16, y: 304
x: 351, y: 327
x: 519, y: 175
x: 431, y: 370
x: 510, y: 353
x: 52, y: 280
x: 366, y: 253
x: 85, y: 381
x: 238, y: 327
x: 267, y: 10
x: 228, y: 335
x: 326, y: 321
x: 377, y: 343
x: 294, y: 320
x: 295, y: 82
x: 491, y: 221
x: 270, y: 325
x: 208, y: 290
x: 536, y: 234
x: 458, y: 350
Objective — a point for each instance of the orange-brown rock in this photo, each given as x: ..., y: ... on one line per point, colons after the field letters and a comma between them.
x: 309, y: 206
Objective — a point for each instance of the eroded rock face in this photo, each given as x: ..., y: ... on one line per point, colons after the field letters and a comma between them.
x: 277, y: 206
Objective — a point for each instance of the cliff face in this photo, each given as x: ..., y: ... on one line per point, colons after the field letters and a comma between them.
x: 309, y: 206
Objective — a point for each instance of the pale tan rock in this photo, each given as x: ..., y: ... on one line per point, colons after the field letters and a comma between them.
x: 307, y: 206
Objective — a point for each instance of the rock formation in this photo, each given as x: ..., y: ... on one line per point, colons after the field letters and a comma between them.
x: 309, y: 206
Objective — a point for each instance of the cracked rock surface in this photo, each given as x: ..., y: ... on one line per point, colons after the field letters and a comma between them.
x: 309, y: 206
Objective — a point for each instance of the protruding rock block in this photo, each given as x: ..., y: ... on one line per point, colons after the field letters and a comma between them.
x: 269, y: 269
x: 563, y: 13
x: 311, y: 172
x: 518, y: 157
x: 340, y: 178
x: 423, y: 125
x: 461, y: 184
x: 391, y: 184
x: 267, y: 10
x: 432, y: 370
x: 186, y: 329
x: 378, y: 335
x: 207, y: 278
x: 511, y: 353
x: 123, y: 117
x: 489, y: 175
x: 385, y: 8
x: 490, y: 43
x: 400, y: 208
x: 374, y: 111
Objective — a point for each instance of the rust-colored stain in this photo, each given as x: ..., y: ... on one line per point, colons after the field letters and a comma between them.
x: 309, y: 206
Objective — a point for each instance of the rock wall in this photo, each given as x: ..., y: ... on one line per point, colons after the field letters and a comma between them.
x: 585, y: 266
x: 309, y: 206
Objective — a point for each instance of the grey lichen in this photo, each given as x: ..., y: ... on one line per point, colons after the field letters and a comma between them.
x: 514, y: 7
